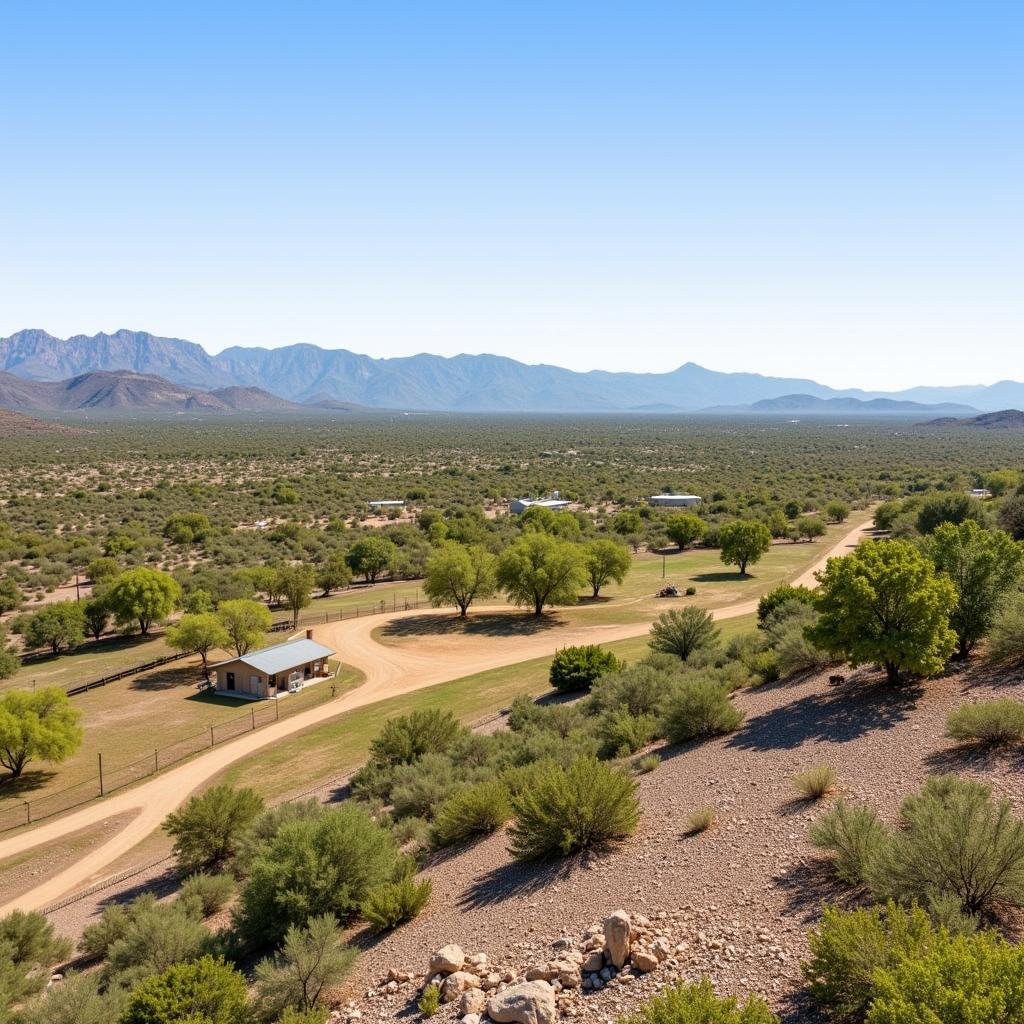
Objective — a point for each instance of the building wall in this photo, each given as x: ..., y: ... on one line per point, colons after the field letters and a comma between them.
x: 247, y: 679
x: 675, y: 500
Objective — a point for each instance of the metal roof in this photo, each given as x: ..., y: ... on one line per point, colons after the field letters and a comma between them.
x: 280, y: 657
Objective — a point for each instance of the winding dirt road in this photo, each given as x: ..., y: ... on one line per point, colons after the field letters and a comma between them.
x: 390, y: 672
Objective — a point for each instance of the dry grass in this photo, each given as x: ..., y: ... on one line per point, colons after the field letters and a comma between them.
x: 816, y: 782
x: 701, y: 820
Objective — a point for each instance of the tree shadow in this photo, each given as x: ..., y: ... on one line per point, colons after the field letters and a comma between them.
x: 985, y: 675
x: 219, y: 699
x: 490, y: 625
x: 165, y: 679
x: 21, y: 787
x: 167, y: 882
x: 721, y: 577
x: 514, y: 880
x: 978, y: 756
x: 810, y: 884
x: 842, y: 715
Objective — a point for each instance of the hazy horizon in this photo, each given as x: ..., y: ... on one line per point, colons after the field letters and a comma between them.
x: 832, y: 193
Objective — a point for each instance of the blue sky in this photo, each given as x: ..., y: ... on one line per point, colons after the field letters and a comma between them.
x: 833, y: 190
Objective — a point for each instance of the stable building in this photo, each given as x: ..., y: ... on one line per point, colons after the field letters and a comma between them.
x: 271, y: 672
x: 556, y: 503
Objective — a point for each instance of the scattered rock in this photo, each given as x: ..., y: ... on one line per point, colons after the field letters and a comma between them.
x: 447, y: 960
x: 529, y: 1002
x: 455, y: 984
x: 473, y: 1001
x: 617, y: 932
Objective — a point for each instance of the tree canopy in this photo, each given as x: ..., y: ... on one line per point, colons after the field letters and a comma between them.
x: 604, y: 561
x: 458, y: 575
x: 143, y: 595
x: 37, y: 725
x: 539, y: 569
x: 246, y: 623
x: 743, y: 542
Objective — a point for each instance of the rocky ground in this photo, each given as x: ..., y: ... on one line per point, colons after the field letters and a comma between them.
x: 733, y: 903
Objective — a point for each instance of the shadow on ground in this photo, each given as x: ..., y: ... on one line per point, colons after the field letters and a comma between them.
x: 491, y: 625
x: 165, y: 679
x: 514, y: 880
x: 840, y: 715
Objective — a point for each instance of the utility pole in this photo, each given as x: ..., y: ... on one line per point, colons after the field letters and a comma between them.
x: 100, y: 756
x: 663, y: 565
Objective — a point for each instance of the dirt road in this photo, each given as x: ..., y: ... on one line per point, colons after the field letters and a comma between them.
x: 390, y: 671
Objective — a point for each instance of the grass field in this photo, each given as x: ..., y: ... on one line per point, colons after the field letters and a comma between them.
x: 317, y: 755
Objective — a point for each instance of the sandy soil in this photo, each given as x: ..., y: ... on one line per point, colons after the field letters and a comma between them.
x: 390, y: 671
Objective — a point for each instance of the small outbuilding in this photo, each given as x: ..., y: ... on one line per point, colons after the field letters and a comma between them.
x: 556, y: 503
x: 273, y: 671
x: 674, y: 500
x: 387, y: 504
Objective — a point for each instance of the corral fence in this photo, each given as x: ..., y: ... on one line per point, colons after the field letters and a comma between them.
x: 110, y: 778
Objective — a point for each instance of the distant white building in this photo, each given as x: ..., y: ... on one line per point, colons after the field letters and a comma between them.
x: 556, y: 503
x: 386, y: 504
x: 980, y: 492
x: 675, y: 500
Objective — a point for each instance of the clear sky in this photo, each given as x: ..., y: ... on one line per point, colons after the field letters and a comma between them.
x: 829, y: 189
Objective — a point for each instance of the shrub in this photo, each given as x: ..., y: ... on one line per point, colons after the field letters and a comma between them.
x: 418, y: 788
x: 268, y: 824
x: 311, y: 960
x: 208, y: 829
x: 621, y: 733
x: 430, y: 1001
x: 639, y: 690
x: 206, y: 990
x: 566, y: 810
x: 408, y: 737
x: 780, y: 596
x: 577, y: 668
x: 393, y: 903
x: 412, y: 834
x: 974, y: 979
x: 954, y: 838
x: 647, y: 764
x: 794, y: 651
x: 853, y: 835
x: 690, y: 591
x: 316, y: 1015
x: 469, y: 813
x: 156, y: 936
x: 325, y: 865
x: 682, y: 631
x: 30, y: 939
x: 1006, y: 634
x: 849, y: 946
x: 699, y: 708
x: 76, y: 1000
x: 696, y: 1003
x: 701, y: 820
x: 211, y: 892
x: 993, y: 721
x: 816, y: 782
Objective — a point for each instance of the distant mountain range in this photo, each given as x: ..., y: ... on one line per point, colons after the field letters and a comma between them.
x: 809, y: 405
x: 307, y: 375
x: 1005, y: 419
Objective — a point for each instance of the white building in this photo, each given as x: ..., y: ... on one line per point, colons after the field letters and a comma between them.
x: 386, y: 504
x: 674, y: 500
x: 556, y: 503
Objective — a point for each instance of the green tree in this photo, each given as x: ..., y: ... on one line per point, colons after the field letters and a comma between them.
x: 204, y: 991
x: 201, y: 633
x: 685, y: 529
x: 40, y: 725
x: 143, y: 595
x: 102, y: 570
x: 296, y: 585
x: 885, y: 603
x: 186, y: 528
x: 312, y: 960
x: 743, y: 542
x: 371, y: 556
x: 985, y: 567
x: 208, y: 830
x: 604, y: 561
x: 541, y: 519
x: 1011, y: 516
x: 682, y: 631
x: 10, y: 595
x: 96, y: 613
x: 837, y: 511
x: 949, y: 507
x: 578, y: 668
x: 539, y: 570
x: 246, y: 623
x: 1001, y: 481
x: 458, y: 575
x: 810, y: 527
x: 58, y: 626
x: 333, y: 573
x: 10, y: 662
x: 781, y: 595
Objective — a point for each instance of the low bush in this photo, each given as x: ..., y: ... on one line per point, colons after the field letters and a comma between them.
x: 158, y: 936
x: 976, y: 979
x: 408, y: 737
x: 312, y: 959
x: 848, y: 946
x: 76, y: 1000
x: 698, y: 708
x: 206, y: 991
x: 994, y: 722
x: 211, y: 892
x: 578, y: 668
x: 1006, y: 634
x: 621, y: 734
x: 207, y: 831
x: 470, y: 813
x: 325, y: 865
x: 430, y: 1001
x: 783, y: 595
x: 28, y: 938
x: 816, y: 782
x: 701, y: 820
x: 646, y: 764
x: 953, y: 839
x: 390, y: 904
x: 638, y: 690
x: 696, y: 1003
x: 419, y: 788
x: 566, y: 810
x: 683, y: 631
x: 854, y: 836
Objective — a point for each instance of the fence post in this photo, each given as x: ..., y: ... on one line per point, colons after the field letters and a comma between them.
x: 156, y: 760
x: 277, y: 710
x: 28, y: 813
x: 211, y: 735
x: 252, y: 711
x: 100, y: 756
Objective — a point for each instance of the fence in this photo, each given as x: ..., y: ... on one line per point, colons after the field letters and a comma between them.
x: 110, y: 779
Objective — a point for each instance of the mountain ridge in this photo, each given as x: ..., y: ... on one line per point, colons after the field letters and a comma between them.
x: 304, y: 373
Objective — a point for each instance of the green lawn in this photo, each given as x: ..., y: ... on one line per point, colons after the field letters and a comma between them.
x: 316, y: 755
